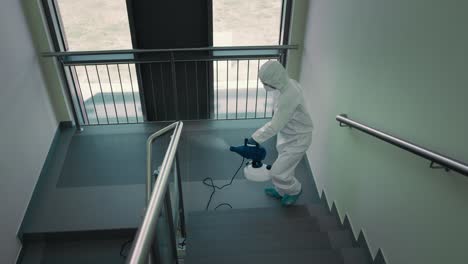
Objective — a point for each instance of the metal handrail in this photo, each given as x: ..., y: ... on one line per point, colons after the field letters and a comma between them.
x: 435, y: 158
x: 149, y: 156
x: 139, y: 51
x: 145, y: 235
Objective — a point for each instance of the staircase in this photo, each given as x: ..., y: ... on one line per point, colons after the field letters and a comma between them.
x: 300, y: 235
x: 96, y: 223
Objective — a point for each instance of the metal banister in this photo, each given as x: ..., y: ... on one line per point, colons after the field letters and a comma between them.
x: 140, y: 51
x: 435, y: 158
x: 145, y: 235
x: 149, y: 155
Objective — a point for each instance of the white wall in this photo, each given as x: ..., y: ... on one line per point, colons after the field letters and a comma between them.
x: 296, y: 37
x: 27, y: 123
x: 55, y: 84
x: 400, y: 66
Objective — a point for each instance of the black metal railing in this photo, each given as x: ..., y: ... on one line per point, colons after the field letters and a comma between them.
x: 136, y: 86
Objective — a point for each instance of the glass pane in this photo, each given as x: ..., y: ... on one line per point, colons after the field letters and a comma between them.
x: 238, y: 92
x: 174, y: 194
x: 95, y: 24
x: 163, y: 239
x: 109, y: 93
x: 246, y: 22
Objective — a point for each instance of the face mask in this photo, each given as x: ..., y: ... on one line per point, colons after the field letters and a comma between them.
x: 268, y: 88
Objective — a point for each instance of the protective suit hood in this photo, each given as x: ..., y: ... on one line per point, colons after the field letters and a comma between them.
x: 273, y: 74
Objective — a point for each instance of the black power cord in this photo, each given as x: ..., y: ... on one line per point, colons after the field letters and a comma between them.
x: 123, y: 247
x: 209, y: 182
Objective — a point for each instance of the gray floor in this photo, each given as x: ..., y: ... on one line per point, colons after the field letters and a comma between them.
x: 243, y: 193
x: 96, y: 179
x: 110, y: 159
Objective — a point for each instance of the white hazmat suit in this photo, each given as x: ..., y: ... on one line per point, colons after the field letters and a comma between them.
x: 290, y: 122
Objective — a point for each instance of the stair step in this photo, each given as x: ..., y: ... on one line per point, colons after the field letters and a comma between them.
x: 272, y: 257
x: 317, y: 210
x: 224, y: 230
x: 75, y: 252
x: 290, y: 212
x: 336, y: 239
x: 79, y: 235
x: 257, y: 243
x: 245, y: 216
x: 324, y: 223
x: 340, y: 239
x: 328, y: 223
x: 355, y: 256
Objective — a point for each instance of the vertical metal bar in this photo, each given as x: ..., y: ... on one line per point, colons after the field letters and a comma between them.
x: 92, y: 96
x: 81, y: 94
x: 256, y: 95
x: 186, y: 92
x: 121, y: 88
x: 102, y: 94
x: 78, y: 100
x: 247, y: 91
x: 286, y: 26
x: 153, y: 91
x: 196, y: 88
x: 266, y: 101
x: 283, y: 57
x: 217, y: 90
x: 133, y: 92
x: 163, y: 90
x: 237, y: 87
x: 170, y: 222
x: 142, y: 91
x: 174, y: 86
x: 154, y: 255
x: 208, y: 101
x: 227, y: 89
x: 273, y: 105
x: 183, y: 228
x: 112, y: 92
x: 282, y: 21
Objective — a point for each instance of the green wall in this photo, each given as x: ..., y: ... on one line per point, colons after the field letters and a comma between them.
x: 50, y: 67
x: 400, y: 66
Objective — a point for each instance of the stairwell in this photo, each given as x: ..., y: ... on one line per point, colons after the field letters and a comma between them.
x: 92, y: 218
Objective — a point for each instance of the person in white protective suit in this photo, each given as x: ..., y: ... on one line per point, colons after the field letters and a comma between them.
x: 293, y: 126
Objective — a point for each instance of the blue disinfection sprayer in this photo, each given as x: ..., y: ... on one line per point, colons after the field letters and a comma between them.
x: 255, y: 170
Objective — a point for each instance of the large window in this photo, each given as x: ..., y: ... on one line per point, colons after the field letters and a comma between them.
x: 243, y: 23
x: 103, y: 24
x: 246, y: 22
x: 95, y: 24
x: 108, y: 94
x: 105, y: 91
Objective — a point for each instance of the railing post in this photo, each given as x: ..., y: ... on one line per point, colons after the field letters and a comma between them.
x: 282, y: 58
x: 170, y: 222
x: 174, y: 85
x: 181, y: 208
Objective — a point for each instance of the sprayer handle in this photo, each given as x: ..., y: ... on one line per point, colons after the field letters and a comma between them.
x: 246, y: 143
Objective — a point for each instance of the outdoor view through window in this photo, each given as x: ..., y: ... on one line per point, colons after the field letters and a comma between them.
x: 104, y: 25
